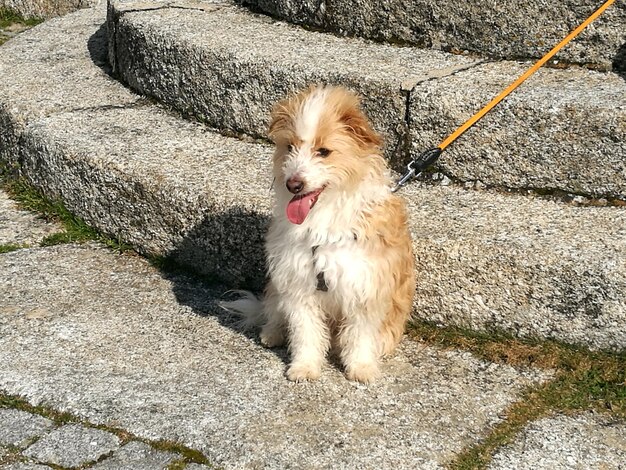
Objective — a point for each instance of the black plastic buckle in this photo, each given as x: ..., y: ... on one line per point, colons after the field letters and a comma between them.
x: 418, y: 165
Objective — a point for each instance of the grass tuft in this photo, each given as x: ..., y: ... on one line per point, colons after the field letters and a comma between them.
x: 9, y: 17
x: 18, y: 403
x: 75, y: 229
x: 177, y: 465
x: 189, y: 455
x: 8, y: 247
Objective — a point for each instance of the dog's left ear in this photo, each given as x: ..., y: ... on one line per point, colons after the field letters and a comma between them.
x: 280, y: 120
x: 355, y: 120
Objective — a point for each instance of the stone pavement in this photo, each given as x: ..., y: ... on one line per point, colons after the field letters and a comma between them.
x: 72, y: 445
x: 29, y: 440
x: 32, y: 441
x: 586, y: 441
x: 19, y: 227
x: 128, y: 349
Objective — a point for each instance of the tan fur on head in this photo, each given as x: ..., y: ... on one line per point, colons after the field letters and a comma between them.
x: 343, y: 114
x: 334, y: 217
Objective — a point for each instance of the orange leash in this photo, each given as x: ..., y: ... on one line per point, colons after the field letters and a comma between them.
x: 429, y: 157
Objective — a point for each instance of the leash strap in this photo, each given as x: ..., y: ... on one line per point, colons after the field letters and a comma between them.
x: 415, y: 167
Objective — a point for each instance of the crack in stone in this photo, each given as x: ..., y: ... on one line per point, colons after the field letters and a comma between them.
x: 402, y: 151
x: 410, y: 84
x: 138, y: 104
x: 119, y: 12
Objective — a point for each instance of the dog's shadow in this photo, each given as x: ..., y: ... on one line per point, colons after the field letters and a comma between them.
x: 229, y: 244
x: 228, y: 249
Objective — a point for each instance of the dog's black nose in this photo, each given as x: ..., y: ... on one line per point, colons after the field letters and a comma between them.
x: 295, y: 184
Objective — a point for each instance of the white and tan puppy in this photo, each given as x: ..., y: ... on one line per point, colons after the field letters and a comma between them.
x: 339, y: 254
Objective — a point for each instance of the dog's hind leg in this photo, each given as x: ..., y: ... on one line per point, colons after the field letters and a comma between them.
x: 393, y: 327
x: 273, y: 330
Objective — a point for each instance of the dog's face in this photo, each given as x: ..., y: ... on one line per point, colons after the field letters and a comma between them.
x: 323, y: 142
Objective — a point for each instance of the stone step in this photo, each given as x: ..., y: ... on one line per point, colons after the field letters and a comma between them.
x: 504, y: 29
x: 564, y: 130
x: 118, y: 343
x: 173, y: 188
x: 44, y: 9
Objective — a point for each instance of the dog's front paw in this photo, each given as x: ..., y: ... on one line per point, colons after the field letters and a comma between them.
x: 365, y: 372
x: 300, y: 372
x: 272, y: 338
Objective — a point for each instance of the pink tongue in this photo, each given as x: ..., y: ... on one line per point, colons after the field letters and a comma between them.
x: 299, y: 207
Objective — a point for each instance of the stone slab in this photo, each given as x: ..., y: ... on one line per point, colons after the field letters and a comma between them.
x: 565, y: 130
x: 43, y: 9
x: 529, y: 266
x: 564, y: 442
x: 154, y: 353
x: 137, y: 456
x: 505, y: 29
x: 19, y: 227
x: 186, y: 198
x: 73, y: 445
x: 561, y: 130
x: 18, y: 428
x: 41, y: 65
x: 230, y: 77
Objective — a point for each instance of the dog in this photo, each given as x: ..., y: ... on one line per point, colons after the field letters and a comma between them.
x: 339, y: 254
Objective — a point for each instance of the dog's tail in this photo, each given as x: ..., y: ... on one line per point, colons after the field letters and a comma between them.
x: 248, y: 308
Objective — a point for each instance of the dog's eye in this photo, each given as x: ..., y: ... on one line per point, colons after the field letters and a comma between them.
x: 290, y: 148
x: 323, y: 152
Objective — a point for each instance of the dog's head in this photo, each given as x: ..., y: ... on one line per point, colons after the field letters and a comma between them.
x: 323, y: 143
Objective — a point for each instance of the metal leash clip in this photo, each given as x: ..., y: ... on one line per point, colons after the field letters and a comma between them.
x: 417, y: 166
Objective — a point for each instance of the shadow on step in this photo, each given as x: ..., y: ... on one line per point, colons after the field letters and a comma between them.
x: 619, y: 62
x: 98, y: 49
x: 227, y: 250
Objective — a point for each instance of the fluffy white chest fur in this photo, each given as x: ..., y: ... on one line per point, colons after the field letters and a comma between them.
x: 328, y: 256
x: 338, y: 250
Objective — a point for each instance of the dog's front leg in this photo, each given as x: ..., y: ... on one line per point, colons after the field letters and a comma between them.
x: 359, y: 345
x: 308, y: 339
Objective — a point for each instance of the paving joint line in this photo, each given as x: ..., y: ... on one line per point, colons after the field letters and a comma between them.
x: 183, y: 453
